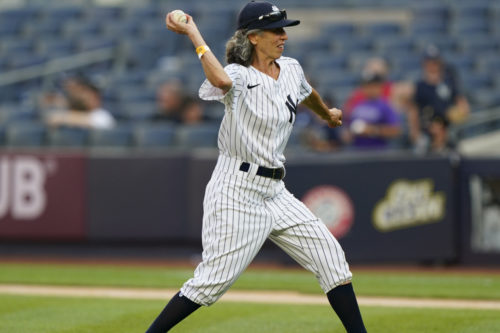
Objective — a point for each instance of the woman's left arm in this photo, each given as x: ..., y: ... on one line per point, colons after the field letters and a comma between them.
x: 314, y: 102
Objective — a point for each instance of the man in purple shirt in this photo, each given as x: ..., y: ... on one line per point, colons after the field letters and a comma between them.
x: 372, y: 123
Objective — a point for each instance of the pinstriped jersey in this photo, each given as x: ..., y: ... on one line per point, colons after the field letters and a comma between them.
x: 259, y: 111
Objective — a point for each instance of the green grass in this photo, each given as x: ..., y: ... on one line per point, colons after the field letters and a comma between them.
x: 368, y: 283
x: 19, y: 314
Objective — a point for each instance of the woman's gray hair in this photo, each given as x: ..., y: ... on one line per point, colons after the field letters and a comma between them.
x: 239, y: 49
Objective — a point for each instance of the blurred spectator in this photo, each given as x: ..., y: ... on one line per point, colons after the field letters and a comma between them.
x: 395, y: 93
x: 169, y: 98
x: 83, y: 107
x: 372, y: 122
x: 191, y: 111
x: 438, y: 131
x: 316, y: 135
x: 435, y: 95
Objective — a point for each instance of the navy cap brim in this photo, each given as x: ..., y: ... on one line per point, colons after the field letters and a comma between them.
x: 272, y: 25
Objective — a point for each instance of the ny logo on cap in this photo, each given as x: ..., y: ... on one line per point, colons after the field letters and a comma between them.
x: 275, y: 9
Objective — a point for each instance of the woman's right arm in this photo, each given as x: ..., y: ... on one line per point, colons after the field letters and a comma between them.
x: 211, y: 66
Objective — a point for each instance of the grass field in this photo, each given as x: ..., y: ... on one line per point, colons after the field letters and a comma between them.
x: 72, y: 314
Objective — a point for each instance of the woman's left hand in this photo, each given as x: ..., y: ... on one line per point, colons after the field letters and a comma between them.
x: 334, y: 118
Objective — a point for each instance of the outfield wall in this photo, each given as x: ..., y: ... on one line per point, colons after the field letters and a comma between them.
x: 382, y: 208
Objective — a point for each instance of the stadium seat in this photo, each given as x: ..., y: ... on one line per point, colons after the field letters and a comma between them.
x: 489, y: 64
x: 62, y: 13
x: 473, y: 80
x: 470, y: 10
x: 334, y: 30
x: 382, y: 29
x: 104, y: 13
x: 25, y: 60
x: 481, y: 44
x: 68, y: 137
x: 120, y: 136
x: 54, y: 48
x: 430, y: 10
x: 420, y: 27
x: 155, y: 135
x: 395, y: 44
x: 317, y: 61
x: 445, y: 43
x: 461, y: 61
x: 78, y: 29
x: 122, y: 29
x: 43, y: 28
x: 94, y: 43
x: 349, y: 45
x: 204, y: 135
x: 10, y: 28
x: 465, y: 28
x: 138, y: 111
x: 26, y: 134
x: 16, y: 46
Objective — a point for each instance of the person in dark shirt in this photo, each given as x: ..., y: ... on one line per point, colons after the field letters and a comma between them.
x: 436, y: 95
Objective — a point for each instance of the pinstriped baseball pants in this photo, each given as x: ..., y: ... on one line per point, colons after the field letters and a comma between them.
x: 242, y: 210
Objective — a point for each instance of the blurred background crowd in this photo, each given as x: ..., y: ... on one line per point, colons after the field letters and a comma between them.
x: 418, y: 76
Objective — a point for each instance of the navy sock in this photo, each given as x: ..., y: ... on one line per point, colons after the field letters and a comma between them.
x: 343, y: 301
x: 177, y: 309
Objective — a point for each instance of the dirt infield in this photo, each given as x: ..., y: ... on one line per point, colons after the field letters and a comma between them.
x: 273, y: 297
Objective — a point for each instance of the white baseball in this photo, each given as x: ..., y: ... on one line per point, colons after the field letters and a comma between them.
x: 179, y: 16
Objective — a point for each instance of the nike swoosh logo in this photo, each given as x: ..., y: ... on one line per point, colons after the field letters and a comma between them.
x: 251, y: 87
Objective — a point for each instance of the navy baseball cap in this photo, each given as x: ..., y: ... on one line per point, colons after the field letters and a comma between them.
x: 263, y: 15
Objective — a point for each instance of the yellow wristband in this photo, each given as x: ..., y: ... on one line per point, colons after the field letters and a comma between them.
x: 200, y: 50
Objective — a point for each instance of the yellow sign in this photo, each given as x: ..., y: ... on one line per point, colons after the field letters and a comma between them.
x: 408, y: 204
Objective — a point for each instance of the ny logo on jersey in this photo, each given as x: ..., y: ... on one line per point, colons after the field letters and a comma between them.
x: 292, y: 107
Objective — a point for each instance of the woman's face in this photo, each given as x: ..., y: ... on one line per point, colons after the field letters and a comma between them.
x: 270, y: 43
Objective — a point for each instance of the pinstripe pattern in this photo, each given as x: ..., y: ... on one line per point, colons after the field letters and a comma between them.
x: 242, y: 209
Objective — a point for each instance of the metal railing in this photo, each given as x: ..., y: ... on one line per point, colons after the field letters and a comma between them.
x: 60, y: 65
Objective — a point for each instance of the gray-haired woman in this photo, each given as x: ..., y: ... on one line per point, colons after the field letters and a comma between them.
x: 246, y: 201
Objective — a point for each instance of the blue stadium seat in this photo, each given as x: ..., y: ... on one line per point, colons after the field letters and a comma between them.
x: 461, y: 61
x: 489, y: 64
x: 105, y: 13
x: 395, y: 44
x: 407, y: 64
x: 43, y: 28
x: 135, y: 94
x: 94, y: 43
x: 25, y: 60
x: 472, y: 81
x: 349, y: 45
x: 334, y: 30
x: 26, y: 134
x: 464, y: 28
x: 10, y: 28
x: 317, y: 61
x: 143, y: 13
x: 445, y: 43
x: 204, y: 135
x: 425, y: 26
x: 68, y: 137
x: 481, y: 44
x: 21, y: 14
x: 127, y: 29
x: 341, y: 80
x: 16, y: 46
x: 120, y: 136
x: 13, y: 115
x: 430, y: 10
x: 138, y: 111
x: 155, y: 135
x: 54, y: 48
x: 485, y: 98
x: 382, y: 29
x: 79, y: 29
x: 62, y: 13
x: 470, y: 9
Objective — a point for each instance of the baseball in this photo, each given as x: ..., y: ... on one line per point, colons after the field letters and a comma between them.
x: 179, y: 16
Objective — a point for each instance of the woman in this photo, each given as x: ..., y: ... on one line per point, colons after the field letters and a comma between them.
x: 246, y: 201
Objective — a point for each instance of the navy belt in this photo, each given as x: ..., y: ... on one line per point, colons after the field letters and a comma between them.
x: 276, y: 173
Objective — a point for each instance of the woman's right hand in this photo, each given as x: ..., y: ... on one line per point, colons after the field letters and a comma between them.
x: 180, y: 27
